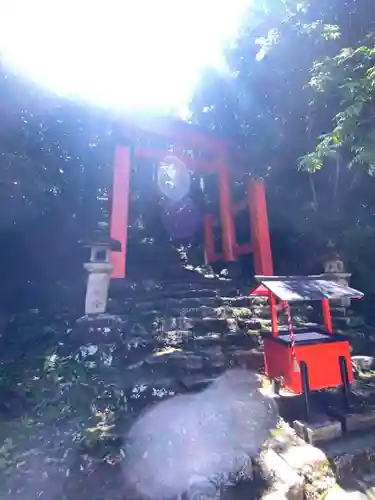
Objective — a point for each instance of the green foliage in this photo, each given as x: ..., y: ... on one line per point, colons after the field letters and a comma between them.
x: 350, y: 76
x: 298, y: 98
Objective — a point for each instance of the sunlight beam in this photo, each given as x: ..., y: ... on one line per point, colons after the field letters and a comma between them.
x: 127, y: 54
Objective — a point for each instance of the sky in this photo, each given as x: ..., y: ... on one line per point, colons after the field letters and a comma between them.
x: 123, y: 54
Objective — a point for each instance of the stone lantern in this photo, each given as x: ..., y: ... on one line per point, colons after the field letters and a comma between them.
x: 334, y: 267
x: 99, y: 269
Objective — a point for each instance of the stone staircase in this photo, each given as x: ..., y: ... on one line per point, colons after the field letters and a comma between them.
x: 179, y: 334
x: 194, y: 330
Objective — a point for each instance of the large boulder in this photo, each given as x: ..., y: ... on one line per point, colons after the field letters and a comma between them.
x: 195, y: 444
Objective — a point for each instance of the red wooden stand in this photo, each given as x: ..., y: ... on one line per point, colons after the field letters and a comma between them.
x: 308, y: 359
x: 321, y: 356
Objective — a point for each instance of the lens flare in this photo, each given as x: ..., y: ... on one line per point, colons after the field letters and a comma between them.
x: 173, y: 178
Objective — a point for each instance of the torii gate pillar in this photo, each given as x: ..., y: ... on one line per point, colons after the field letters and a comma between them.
x: 120, y: 209
x: 260, y: 236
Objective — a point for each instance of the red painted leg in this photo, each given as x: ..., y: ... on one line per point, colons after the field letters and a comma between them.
x: 274, y: 322
x: 120, y: 209
x: 260, y: 237
x: 327, y: 315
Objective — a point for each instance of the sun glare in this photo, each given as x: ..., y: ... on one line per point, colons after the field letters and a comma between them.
x: 127, y: 54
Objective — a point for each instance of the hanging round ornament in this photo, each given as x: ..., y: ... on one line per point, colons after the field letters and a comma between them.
x: 173, y: 178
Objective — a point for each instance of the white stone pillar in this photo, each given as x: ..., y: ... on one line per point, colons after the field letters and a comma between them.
x: 99, y: 270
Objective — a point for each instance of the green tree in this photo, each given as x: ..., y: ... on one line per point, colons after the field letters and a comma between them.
x: 349, y: 78
x: 288, y: 77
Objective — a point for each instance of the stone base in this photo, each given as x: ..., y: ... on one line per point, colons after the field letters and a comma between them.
x: 352, y: 420
x: 321, y: 428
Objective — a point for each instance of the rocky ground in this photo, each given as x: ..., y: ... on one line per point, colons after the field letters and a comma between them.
x: 70, y: 389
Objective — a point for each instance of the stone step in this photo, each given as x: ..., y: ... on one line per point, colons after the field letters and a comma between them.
x: 160, y: 294
x: 318, y: 429
x: 205, y: 340
x: 192, y: 306
x: 241, y: 349
x: 208, y: 284
x: 170, y: 304
x: 348, y: 322
x: 250, y: 324
x: 177, y: 338
x: 225, y: 288
x: 349, y: 462
x: 364, y: 487
x: 351, y: 456
x: 127, y: 287
x: 251, y: 359
x: 193, y: 355
x: 211, y: 324
x: 240, y: 340
x: 195, y: 311
x: 353, y: 421
x: 238, y: 301
x: 190, y: 293
x: 284, y: 479
x: 199, y: 324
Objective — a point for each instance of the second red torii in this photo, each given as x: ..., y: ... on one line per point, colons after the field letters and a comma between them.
x: 156, y: 138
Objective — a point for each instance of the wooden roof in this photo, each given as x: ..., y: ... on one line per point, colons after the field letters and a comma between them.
x: 304, y: 288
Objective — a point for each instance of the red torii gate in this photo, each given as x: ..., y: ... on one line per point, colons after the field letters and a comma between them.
x: 203, y: 153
